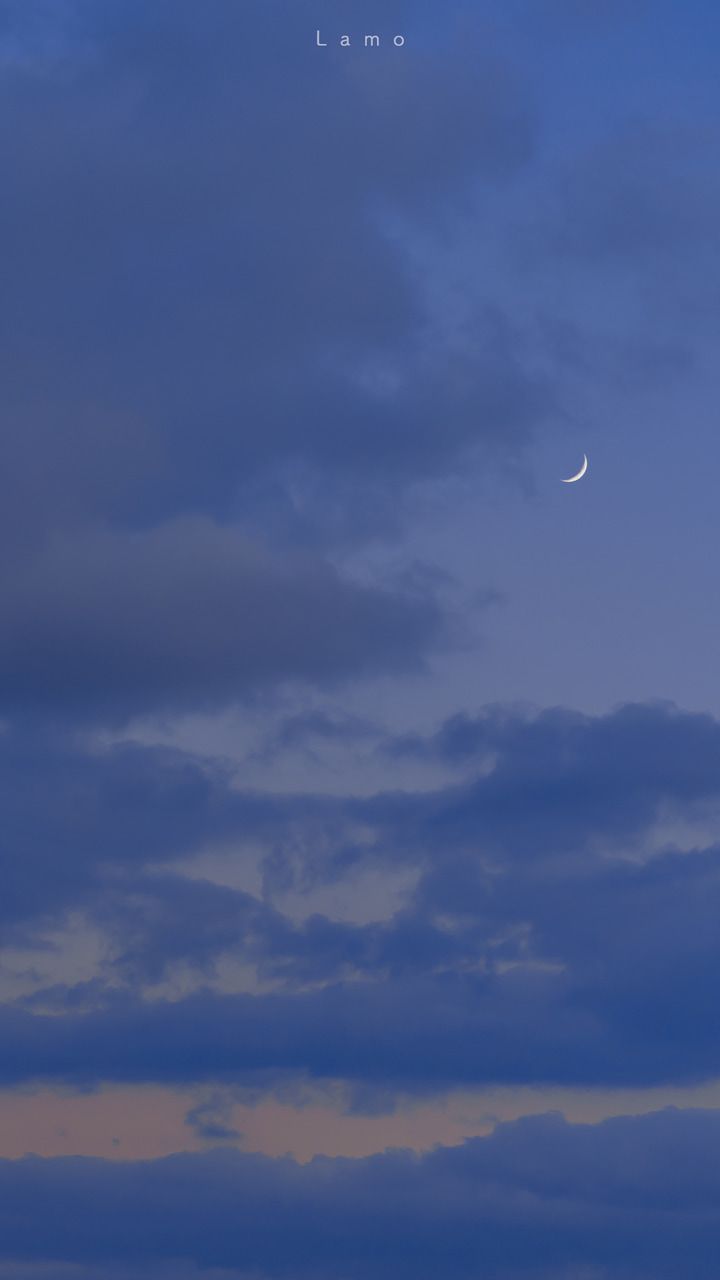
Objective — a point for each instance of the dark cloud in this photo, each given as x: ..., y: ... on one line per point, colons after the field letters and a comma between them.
x: 562, y: 782
x: 190, y: 615
x: 550, y: 936
x: 79, y: 822
x: 628, y: 1199
x: 69, y: 813
x: 204, y: 312
x: 421, y: 1034
x: 202, y: 339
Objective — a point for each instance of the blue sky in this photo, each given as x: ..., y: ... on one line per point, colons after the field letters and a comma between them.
x: 360, y: 781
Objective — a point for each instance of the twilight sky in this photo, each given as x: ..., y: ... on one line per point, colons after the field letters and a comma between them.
x: 360, y: 781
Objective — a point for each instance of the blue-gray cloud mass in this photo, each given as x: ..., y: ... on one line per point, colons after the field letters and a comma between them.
x: 633, y: 1198
x: 547, y: 939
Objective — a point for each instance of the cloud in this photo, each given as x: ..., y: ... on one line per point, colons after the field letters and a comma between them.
x: 123, y: 807
x: 209, y: 322
x: 186, y: 615
x: 325, y: 726
x: 562, y: 782
x: 210, y: 362
x: 553, y: 934
x: 633, y: 1198
x: 421, y: 1034
x: 212, y: 1117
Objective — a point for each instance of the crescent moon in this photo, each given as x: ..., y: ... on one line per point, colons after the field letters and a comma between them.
x: 580, y: 473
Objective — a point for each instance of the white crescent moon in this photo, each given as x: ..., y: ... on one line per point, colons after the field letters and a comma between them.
x: 580, y: 474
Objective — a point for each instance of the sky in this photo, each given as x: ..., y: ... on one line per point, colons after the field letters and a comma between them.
x: 359, y: 780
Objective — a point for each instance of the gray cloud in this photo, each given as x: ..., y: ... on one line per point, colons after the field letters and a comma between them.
x: 628, y: 1199
x: 190, y: 614
x: 501, y: 965
x: 199, y: 336
x: 202, y: 313
x: 211, y: 1118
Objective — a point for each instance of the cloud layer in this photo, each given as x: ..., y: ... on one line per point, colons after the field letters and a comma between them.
x: 191, y: 615
x: 632, y: 1198
x: 552, y: 933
